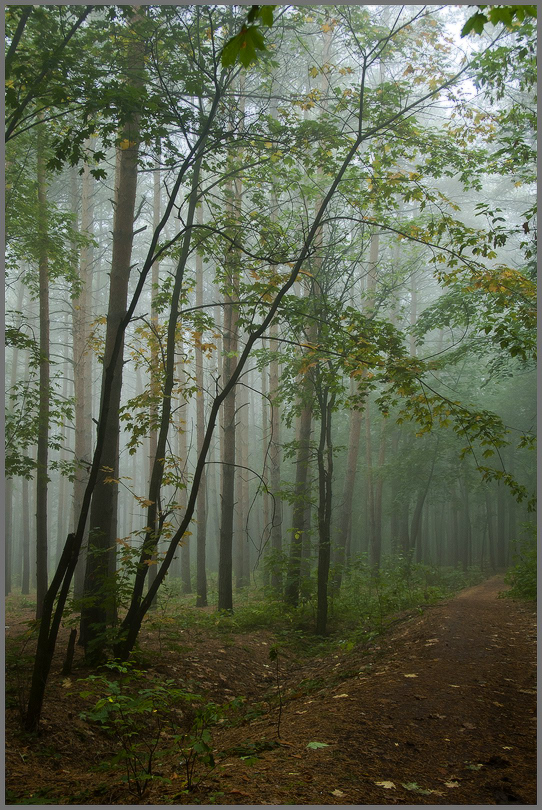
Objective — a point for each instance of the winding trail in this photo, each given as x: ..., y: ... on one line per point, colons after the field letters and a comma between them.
x: 440, y: 711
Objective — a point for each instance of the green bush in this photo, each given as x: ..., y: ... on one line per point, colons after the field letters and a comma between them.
x: 150, y: 723
x: 522, y: 576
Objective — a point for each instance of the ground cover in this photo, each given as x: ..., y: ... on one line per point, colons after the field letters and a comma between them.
x: 438, y: 708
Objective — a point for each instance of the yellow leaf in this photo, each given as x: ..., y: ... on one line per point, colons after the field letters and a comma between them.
x: 387, y: 785
x: 66, y: 683
x: 340, y: 696
x: 126, y: 144
x: 337, y: 793
x: 410, y: 675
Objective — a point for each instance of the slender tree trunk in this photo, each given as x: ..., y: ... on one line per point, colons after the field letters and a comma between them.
x: 303, y: 458
x: 186, y: 579
x: 354, y: 434
x: 242, y: 505
x: 274, y: 464
x: 325, y: 478
x: 234, y: 198
x: 25, y: 506
x: 265, y: 466
x: 154, y: 366
x: 42, y: 459
x: 62, y: 510
x: 225, y: 593
x: 8, y: 524
x: 201, y: 506
x: 99, y: 603
x: 345, y: 515
x: 82, y: 371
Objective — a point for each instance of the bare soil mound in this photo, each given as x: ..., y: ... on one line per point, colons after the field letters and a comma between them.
x: 440, y: 710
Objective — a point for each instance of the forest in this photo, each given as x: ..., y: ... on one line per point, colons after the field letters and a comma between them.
x: 270, y: 361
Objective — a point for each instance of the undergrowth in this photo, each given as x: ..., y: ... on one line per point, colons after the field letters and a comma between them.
x: 522, y: 576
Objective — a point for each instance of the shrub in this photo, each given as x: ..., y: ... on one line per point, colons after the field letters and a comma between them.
x: 151, y: 723
x: 522, y: 576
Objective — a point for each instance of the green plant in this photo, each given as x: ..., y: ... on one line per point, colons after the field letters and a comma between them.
x: 523, y: 575
x: 150, y: 723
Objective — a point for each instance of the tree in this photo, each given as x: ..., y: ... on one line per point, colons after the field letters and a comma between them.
x: 98, y: 603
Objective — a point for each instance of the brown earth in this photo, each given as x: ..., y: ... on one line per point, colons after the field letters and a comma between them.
x: 439, y: 710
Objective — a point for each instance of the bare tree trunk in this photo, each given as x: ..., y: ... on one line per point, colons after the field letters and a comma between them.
x: 153, y: 370
x: 62, y: 511
x: 325, y: 478
x: 242, y: 505
x: 201, y: 506
x: 303, y: 458
x: 8, y: 524
x: 274, y: 464
x: 225, y: 594
x: 99, y: 603
x: 234, y: 195
x: 186, y: 579
x: 265, y: 465
x: 82, y: 368
x: 25, y: 576
x: 44, y: 384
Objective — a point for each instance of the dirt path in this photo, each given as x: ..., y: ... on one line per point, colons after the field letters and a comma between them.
x: 445, y: 705
x: 440, y: 710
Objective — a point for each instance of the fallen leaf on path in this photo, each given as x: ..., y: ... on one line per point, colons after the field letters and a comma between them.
x: 413, y: 786
x: 66, y: 683
x: 340, y: 696
x: 452, y: 784
x: 454, y: 686
x: 337, y: 793
x: 410, y: 675
x: 386, y: 785
x: 317, y: 745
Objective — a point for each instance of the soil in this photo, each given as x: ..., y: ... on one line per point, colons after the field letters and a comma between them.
x: 438, y: 710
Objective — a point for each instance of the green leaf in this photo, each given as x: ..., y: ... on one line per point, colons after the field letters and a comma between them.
x: 475, y: 23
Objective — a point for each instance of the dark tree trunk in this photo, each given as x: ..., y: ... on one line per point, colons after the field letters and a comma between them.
x: 82, y: 368
x: 98, y: 588
x: 42, y: 458
x: 325, y: 478
x: 201, y: 507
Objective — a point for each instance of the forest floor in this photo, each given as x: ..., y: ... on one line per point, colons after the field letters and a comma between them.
x: 440, y: 709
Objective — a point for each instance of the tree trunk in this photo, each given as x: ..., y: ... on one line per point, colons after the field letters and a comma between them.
x: 82, y: 368
x: 98, y: 589
x: 8, y: 524
x: 274, y: 465
x: 154, y: 366
x: 234, y: 195
x: 325, y: 478
x: 303, y: 457
x: 242, y: 505
x: 44, y: 384
x: 25, y: 506
x: 186, y: 579
x: 201, y: 507
x: 225, y: 593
